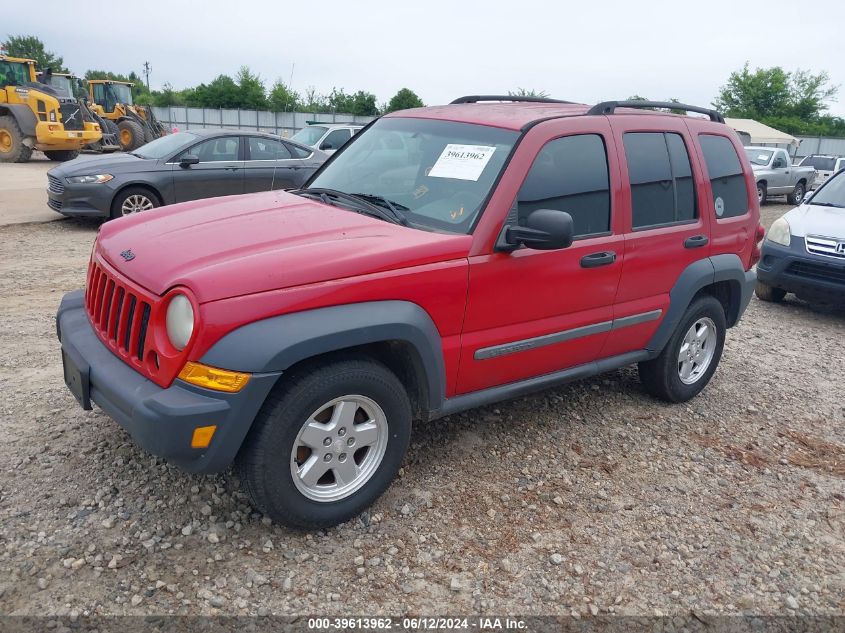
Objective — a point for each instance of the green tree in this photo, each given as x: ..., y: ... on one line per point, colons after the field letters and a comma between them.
x: 223, y: 92
x: 30, y: 47
x: 282, y: 98
x: 403, y: 100
x: 251, y: 90
x: 361, y: 103
x: 525, y: 92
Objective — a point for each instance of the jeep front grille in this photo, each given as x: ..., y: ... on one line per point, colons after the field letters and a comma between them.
x: 55, y: 184
x: 827, y: 246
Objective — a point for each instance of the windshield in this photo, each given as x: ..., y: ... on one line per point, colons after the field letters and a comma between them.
x: 62, y: 85
x: 13, y: 73
x: 758, y: 156
x: 440, y: 172
x: 121, y: 93
x: 832, y: 193
x: 166, y: 145
x: 309, y: 135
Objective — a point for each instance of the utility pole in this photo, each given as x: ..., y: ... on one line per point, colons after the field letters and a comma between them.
x: 147, y: 70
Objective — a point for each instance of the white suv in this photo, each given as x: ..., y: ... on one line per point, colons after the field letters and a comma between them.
x: 825, y: 164
x: 328, y: 137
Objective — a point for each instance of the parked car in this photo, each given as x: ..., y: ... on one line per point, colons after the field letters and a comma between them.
x: 804, y: 251
x: 777, y: 176
x: 511, y: 247
x: 825, y: 166
x: 177, y: 168
x: 328, y: 137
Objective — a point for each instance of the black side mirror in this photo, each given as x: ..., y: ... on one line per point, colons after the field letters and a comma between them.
x: 325, y: 146
x: 188, y: 159
x: 544, y: 230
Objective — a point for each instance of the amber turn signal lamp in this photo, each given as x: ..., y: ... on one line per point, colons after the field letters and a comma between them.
x: 202, y: 436
x: 213, y: 378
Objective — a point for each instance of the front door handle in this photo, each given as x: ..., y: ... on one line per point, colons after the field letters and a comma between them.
x: 696, y: 241
x: 594, y: 260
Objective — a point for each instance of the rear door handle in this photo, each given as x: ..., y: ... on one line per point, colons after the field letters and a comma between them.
x: 594, y: 260
x: 696, y: 241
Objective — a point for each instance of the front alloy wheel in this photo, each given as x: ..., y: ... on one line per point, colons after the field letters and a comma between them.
x: 136, y: 203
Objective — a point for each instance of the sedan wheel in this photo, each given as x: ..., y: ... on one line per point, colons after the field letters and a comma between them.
x: 136, y: 203
x: 339, y: 448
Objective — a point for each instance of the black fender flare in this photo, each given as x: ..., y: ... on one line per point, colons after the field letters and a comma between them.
x: 23, y: 115
x: 277, y: 343
x: 698, y: 275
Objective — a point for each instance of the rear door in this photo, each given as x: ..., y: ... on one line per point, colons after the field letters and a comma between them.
x: 532, y: 312
x: 665, y: 231
x: 220, y: 171
x: 269, y: 165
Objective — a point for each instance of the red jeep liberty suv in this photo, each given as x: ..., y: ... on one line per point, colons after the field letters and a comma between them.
x: 446, y: 258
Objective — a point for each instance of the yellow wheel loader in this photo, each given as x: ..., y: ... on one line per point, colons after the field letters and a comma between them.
x: 35, y: 116
x: 136, y: 124
x: 68, y: 85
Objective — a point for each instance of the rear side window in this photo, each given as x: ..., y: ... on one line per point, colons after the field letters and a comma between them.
x: 570, y: 174
x: 730, y: 195
x: 819, y: 162
x: 662, y: 189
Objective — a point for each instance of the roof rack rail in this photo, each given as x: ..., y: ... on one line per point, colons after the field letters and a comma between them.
x: 609, y: 107
x: 515, y: 98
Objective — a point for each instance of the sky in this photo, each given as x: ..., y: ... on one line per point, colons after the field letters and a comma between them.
x: 587, y: 51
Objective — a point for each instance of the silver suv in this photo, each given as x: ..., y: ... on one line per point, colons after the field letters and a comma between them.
x: 328, y: 137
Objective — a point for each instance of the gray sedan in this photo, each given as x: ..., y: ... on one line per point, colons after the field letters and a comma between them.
x: 179, y: 167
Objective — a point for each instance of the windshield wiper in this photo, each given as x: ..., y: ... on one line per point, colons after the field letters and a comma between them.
x: 395, y: 208
x: 358, y: 204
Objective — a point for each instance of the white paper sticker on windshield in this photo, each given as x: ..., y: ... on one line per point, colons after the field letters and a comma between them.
x: 463, y: 162
x: 762, y: 157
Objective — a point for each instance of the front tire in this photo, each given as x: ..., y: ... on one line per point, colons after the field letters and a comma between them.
x: 326, y: 444
x: 61, y: 155
x: 130, y: 135
x: 797, y: 194
x: 12, y: 147
x: 691, y: 356
x: 133, y: 200
x: 765, y: 292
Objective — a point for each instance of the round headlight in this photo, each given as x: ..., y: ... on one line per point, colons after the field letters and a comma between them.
x: 780, y: 233
x: 180, y: 321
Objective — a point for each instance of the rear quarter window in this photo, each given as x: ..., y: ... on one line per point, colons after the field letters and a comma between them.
x: 730, y: 193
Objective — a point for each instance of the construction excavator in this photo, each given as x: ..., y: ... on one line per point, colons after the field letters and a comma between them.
x: 136, y: 124
x: 34, y: 115
x: 68, y: 85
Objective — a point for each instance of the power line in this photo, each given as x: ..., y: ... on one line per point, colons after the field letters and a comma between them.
x: 147, y: 70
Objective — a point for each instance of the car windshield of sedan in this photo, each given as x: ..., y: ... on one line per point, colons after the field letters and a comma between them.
x: 309, y: 135
x: 758, y: 156
x: 832, y: 194
x: 166, y: 145
x: 437, y: 173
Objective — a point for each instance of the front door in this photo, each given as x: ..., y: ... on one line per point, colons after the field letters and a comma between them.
x: 220, y: 171
x: 532, y: 312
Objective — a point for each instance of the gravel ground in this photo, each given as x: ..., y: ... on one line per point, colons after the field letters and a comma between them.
x: 590, y: 498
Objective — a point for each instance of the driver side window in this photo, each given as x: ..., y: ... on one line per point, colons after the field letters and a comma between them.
x: 224, y: 149
x: 570, y: 174
x: 779, y: 162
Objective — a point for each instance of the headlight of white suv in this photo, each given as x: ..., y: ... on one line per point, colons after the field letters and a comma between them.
x: 780, y: 233
x: 180, y: 321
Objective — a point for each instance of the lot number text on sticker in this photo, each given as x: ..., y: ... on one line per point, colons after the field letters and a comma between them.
x: 463, y: 162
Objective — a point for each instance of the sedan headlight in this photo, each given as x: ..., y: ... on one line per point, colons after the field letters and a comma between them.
x: 89, y: 180
x: 780, y: 233
x: 180, y: 321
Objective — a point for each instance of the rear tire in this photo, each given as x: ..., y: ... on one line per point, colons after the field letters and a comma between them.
x: 310, y: 408
x: 130, y: 135
x: 797, y: 194
x: 765, y: 292
x: 12, y: 147
x: 695, y: 348
x: 761, y: 192
x: 61, y: 155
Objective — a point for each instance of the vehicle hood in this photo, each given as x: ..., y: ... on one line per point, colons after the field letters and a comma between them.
x: 809, y: 219
x: 239, y: 245
x: 110, y: 164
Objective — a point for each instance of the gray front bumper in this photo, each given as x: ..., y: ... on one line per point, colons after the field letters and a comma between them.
x: 160, y: 420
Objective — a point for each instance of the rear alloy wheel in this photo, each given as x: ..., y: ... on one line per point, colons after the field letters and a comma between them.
x: 12, y: 147
x: 761, y: 192
x: 133, y: 200
x: 797, y: 194
x: 327, y: 442
x: 691, y: 356
x: 765, y: 292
